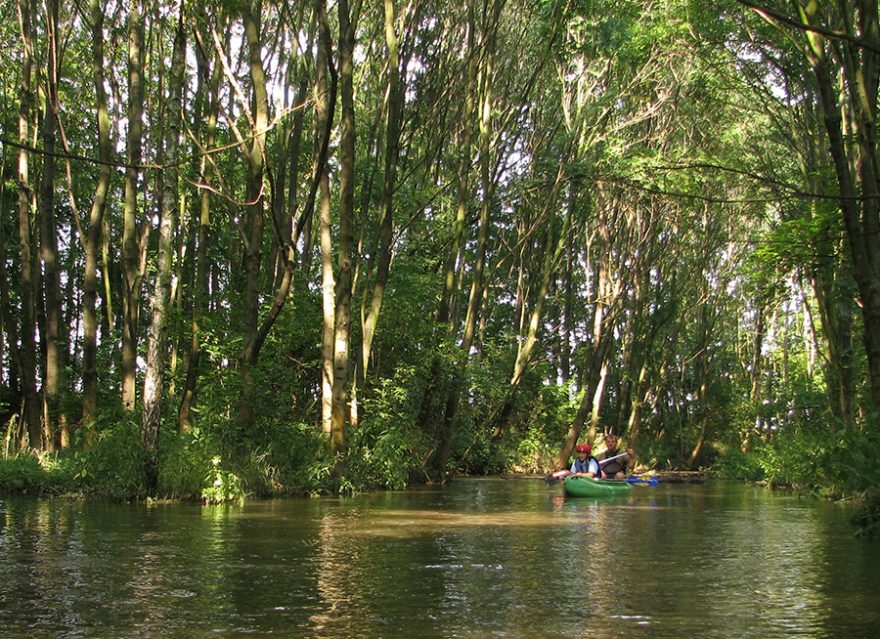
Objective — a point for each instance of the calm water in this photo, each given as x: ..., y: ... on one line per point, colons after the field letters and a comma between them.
x: 479, y: 558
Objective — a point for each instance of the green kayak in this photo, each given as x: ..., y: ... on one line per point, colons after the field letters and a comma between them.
x: 589, y: 487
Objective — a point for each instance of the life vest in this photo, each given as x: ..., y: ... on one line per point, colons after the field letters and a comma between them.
x: 584, y: 466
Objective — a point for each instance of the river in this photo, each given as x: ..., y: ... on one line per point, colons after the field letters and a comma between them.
x: 477, y: 558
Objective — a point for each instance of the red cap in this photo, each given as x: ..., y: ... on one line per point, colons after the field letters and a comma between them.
x: 583, y: 448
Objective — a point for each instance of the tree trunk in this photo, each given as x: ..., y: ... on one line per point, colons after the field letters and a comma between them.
x: 10, y: 354
x: 253, y: 227
x: 703, y: 363
x: 160, y: 298
x: 130, y: 247
x: 92, y: 244
x: 342, y: 292
x: 858, y: 182
x: 203, y: 238
x: 756, y: 372
x: 639, y: 397
x: 288, y: 241
x: 568, y: 291
x: 53, y: 422
x: 487, y: 190
x: 605, y: 310
x: 447, y: 311
x: 596, y: 363
x: 552, y: 255
x: 392, y: 151
x: 328, y: 284
x: 30, y: 428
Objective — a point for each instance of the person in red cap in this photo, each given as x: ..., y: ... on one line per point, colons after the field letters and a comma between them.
x: 585, y: 464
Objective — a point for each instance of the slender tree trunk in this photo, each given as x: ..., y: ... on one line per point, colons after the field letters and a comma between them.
x: 328, y: 284
x: 31, y: 429
x: 10, y: 354
x: 53, y: 422
x: 858, y: 182
x: 604, y: 318
x: 447, y: 312
x: 452, y: 269
x: 831, y: 281
x: 130, y: 246
x: 109, y: 317
x: 639, y: 397
x: 343, y: 289
x: 757, y: 370
x: 392, y: 152
x: 160, y: 299
x: 568, y: 291
x: 487, y: 190
x: 203, y: 238
x: 591, y: 392
x: 552, y: 255
x: 702, y: 403
x: 92, y: 244
x: 320, y: 181
x: 253, y: 252
x: 836, y: 311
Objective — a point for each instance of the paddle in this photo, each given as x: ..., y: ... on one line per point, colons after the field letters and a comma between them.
x: 552, y: 478
x: 651, y: 481
x: 602, y: 462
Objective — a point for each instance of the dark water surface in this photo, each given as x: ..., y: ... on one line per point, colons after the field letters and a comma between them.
x: 478, y: 558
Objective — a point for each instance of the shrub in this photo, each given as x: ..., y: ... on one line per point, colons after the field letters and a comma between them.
x: 185, y: 463
x: 22, y: 473
x: 385, y: 446
x: 735, y: 464
x: 220, y: 485
x: 867, y: 517
x: 115, y: 466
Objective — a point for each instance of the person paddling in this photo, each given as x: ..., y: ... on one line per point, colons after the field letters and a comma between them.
x: 614, y: 468
x: 585, y: 464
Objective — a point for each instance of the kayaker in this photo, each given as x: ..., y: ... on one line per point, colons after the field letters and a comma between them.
x: 585, y: 464
x: 616, y: 468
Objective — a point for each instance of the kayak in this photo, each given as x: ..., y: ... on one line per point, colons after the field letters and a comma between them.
x: 589, y: 487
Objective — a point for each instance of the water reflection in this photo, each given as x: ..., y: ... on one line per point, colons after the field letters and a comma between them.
x: 476, y: 559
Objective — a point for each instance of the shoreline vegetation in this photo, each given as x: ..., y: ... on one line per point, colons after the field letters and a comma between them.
x: 68, y: 476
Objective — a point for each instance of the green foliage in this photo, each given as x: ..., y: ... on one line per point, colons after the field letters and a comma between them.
x: 537, y: 446
x: 489, y: 375
x: 289, y: 459
x: 213, y: 466
x: 386, y: 447
x: 407, y: 297
x: 221, y: 486
x: 37, y: 474
x: 22, y: 473
x: 867, y: 517
x: 736, y: 464
x: 115, y: 466
x: 831, y: 462
x: 186, y: 466
x: 481, y: 455
x: 792, y: 462
x: 474, y: 450
x: 626, y: 94
x: 852, y: 458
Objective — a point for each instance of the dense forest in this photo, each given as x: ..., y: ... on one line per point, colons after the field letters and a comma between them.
x: 299, y: 247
